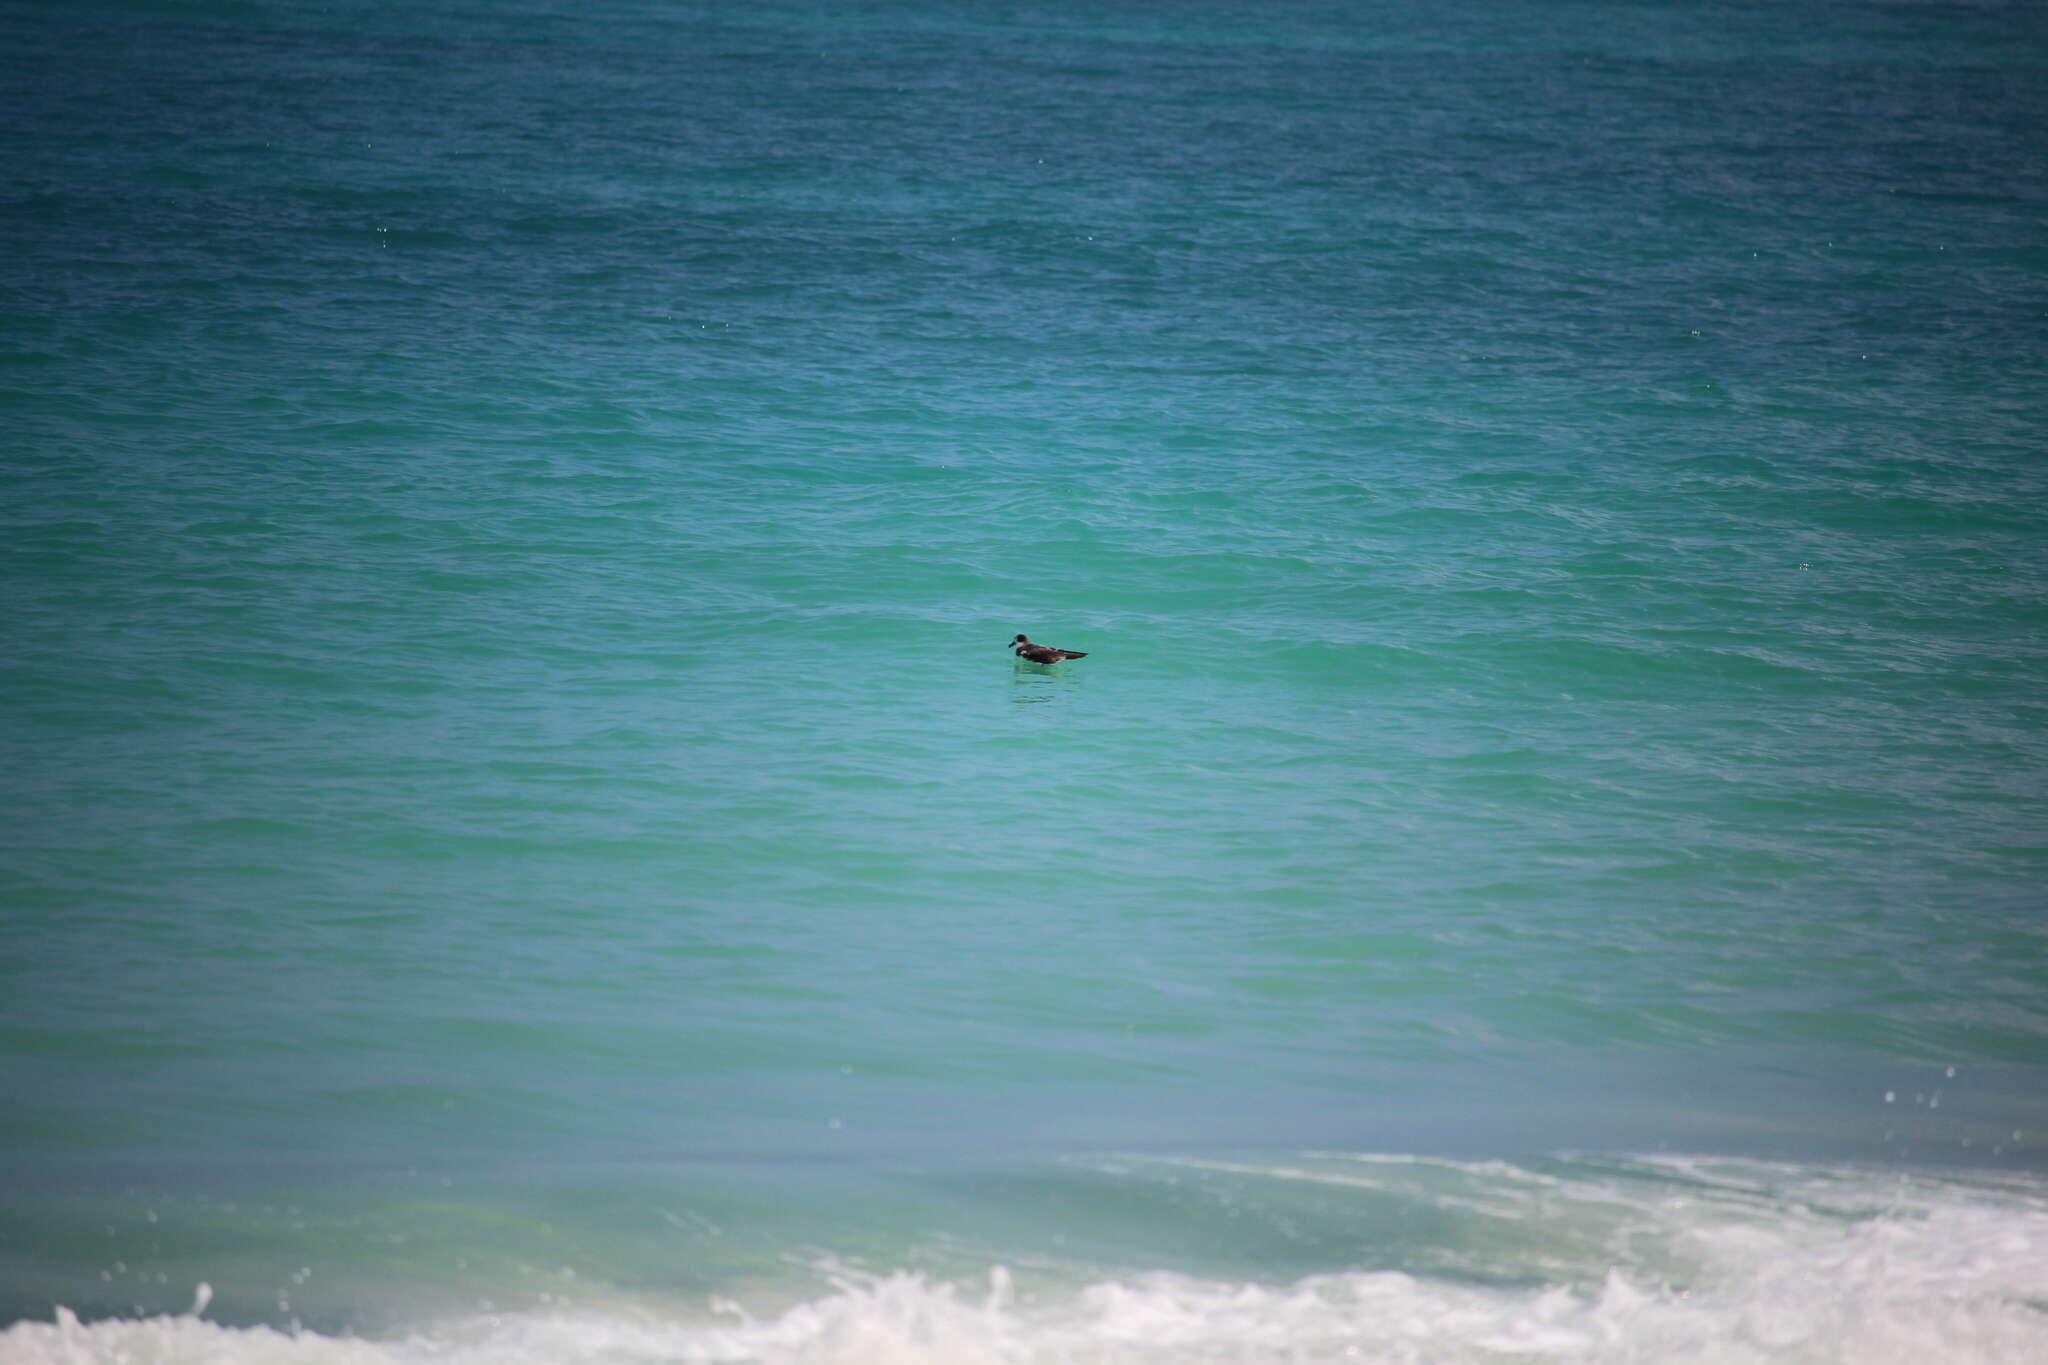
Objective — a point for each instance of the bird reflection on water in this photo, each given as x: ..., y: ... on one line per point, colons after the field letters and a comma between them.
x: 1041, y: 682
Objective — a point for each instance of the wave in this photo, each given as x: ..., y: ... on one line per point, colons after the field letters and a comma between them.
x: 1705, y: 1262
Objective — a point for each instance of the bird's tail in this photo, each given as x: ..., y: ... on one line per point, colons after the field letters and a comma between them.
x: 1073, y: 654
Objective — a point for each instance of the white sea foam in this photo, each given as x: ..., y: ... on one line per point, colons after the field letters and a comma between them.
x: 1805, y: 1267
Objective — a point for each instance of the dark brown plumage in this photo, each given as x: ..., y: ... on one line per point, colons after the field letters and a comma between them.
x: 1043, y: 654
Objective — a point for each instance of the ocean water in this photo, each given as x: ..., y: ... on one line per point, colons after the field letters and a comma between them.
x: 525, y: 841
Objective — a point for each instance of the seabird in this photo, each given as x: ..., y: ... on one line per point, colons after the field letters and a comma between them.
x: 1043, y: 654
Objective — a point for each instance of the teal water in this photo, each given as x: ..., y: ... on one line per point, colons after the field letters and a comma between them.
x: 526, y: 841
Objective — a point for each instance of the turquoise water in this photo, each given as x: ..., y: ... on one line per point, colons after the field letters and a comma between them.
x: 526, y: 840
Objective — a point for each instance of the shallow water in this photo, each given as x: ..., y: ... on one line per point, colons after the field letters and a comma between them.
x: 526, y: 829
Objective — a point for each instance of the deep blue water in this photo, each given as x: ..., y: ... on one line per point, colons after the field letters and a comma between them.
x: 526, y: 841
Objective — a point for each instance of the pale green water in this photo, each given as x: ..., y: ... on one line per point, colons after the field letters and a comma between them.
x: 520, y: 803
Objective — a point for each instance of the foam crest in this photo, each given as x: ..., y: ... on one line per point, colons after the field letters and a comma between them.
x: 1787, y: 1267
